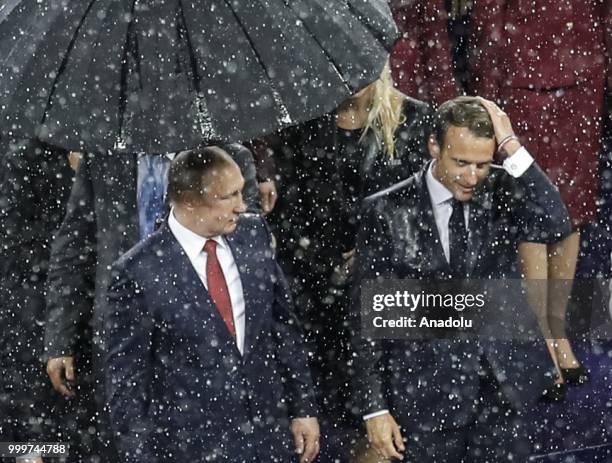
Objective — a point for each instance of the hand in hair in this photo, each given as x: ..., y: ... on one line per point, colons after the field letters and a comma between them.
x: 504, y: 133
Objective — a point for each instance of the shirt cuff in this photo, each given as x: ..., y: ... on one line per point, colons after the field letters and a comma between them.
x: 517, y: 164
x: 375, y: 414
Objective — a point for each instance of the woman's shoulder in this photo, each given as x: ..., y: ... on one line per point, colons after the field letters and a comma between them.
x: 412, y: 106
x: 413, y: 102
x: 417, y: 113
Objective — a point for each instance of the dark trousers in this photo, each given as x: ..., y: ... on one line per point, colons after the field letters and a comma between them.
x: 498, y: 433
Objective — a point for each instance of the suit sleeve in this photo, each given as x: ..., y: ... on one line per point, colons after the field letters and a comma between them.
x: 127, y: 368
x: 291, y: 348
x: 17, y: 239
x: 540, y: 212
x: 486, y: 36
x: 72, y: 270
x: 21, y: 242
x: 373, y: 262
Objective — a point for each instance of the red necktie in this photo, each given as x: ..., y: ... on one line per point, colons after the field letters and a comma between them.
x: 217, y: 287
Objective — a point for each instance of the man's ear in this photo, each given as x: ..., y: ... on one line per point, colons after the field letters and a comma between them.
x: 434, y: 148
x: 188, y: 201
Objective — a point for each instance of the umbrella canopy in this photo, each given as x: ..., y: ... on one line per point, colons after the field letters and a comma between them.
x: 7, y: 7
x: 163, y: 75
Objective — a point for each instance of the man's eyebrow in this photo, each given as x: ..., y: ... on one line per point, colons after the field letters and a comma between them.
x: 233, y: 192
x: 454, y: 158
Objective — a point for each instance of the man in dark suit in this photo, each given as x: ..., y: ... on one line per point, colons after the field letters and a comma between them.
x: 456, y: 399
x: 112, y: 205
x: 206, y: 359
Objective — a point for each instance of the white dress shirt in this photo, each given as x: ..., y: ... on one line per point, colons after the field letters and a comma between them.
x: 441, y: 203
x: 442, y: 198
x: 193, y: 245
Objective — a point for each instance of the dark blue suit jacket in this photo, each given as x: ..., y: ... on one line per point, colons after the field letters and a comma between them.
x: 178, y: 388
x: 430, y: 385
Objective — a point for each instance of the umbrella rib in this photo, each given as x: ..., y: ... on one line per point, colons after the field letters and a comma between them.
x: 327, y: 55
x: 204, y: 120
x: 6, y: 9
x: 122, y: 103
x: 62, y: 66
x: 375, y: 34
x: 285, y: 117
x: 192, y: 57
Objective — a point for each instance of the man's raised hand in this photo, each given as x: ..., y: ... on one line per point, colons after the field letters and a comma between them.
x: 504, y: 133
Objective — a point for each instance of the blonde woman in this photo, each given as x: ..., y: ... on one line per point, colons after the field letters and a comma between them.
x: 373, y: 140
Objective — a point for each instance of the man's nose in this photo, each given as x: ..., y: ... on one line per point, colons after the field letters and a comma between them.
x: 240, y: 206
x: 471, y: 177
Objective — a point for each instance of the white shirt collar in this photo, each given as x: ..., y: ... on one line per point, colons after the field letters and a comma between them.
x: 437, y: 191
x: 191, y: 242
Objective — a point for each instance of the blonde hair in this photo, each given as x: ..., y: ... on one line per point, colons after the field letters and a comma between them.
x: 385, y: 114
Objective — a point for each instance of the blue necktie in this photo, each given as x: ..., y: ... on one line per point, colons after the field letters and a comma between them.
x: 152, y: 183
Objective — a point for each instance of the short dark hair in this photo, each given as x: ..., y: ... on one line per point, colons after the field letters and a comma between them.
x: 187, y: 174
x: 463, y: 111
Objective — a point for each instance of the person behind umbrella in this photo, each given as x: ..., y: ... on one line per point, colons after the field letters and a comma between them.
x: 205, y: 357
x: 36, y: 183
x: 421, y: 60
x: 457, y: 399
x: 545, y: 62
x: 372, y: 140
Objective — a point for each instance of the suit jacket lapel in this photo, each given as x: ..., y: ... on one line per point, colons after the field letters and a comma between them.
x: 480, y: 209
x: 433, y: 255
x: 250, y: 290
x: 193, y: 293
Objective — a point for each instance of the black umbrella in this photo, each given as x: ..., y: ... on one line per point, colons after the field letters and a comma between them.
x: 7, y: 7
x: 161, y: 75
